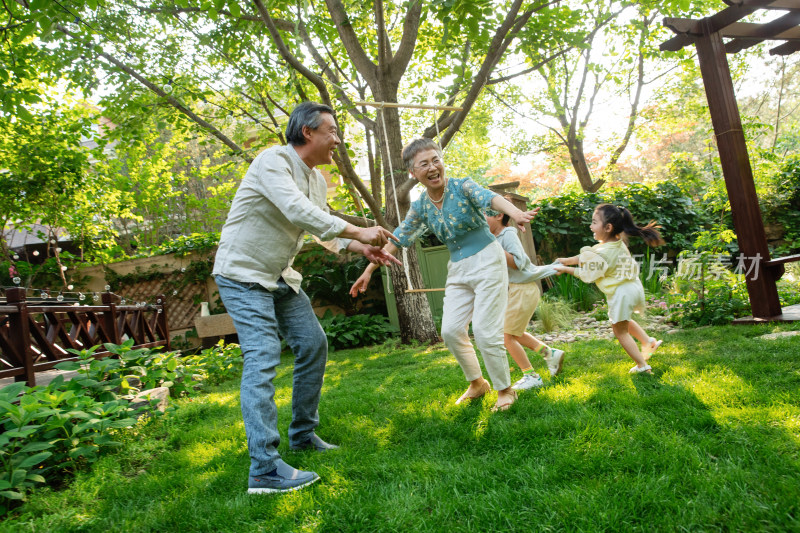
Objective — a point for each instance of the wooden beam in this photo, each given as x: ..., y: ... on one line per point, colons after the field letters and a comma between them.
x: 785, y: 49
x: 760, y: 278
x: 783, y: 260
x: 787, y: 24
x: 774, y: 4
x: 687, y: 29
x: 410, y: 106
x: 676, y: 43
x: 744, y: 30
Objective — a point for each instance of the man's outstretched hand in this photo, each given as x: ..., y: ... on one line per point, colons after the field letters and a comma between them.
x: 379, y: 256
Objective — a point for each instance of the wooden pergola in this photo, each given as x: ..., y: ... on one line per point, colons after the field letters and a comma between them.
x: 707, y: 35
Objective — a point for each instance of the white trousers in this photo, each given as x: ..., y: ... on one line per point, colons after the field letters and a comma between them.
x: 477, y: 291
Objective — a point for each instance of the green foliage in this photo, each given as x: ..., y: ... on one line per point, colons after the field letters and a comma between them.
x: 47, y: 176
x: 570, y: 289
x: 185, y: 245
x: 54, y: 430
x: 554, y: 313
x: 357, y: 330
x: 216, y: 364
x: 789, y: 285
x: 45, y: 275
x: 561, y: 227
x: 327, y: 279
x: 783, y: 205
x: 704, y: 292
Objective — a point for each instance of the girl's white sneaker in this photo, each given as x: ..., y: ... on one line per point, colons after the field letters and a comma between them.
x: 554, y: 361
x: 528, y: 381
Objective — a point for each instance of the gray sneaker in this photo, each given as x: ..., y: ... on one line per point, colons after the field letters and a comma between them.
x: 283, y: 479
x: 528, y: 381
x: 554, y: 361
x: 315, y: 443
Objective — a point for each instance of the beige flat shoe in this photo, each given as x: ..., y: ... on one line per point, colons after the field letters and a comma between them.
x: 484, y: 388
x: 505, y: 405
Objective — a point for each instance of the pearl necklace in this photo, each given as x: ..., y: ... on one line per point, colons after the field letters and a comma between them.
x: 440, y: 198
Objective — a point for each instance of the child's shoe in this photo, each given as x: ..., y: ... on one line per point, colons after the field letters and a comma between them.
x: 649, y: 348
x: 528, y: 381
x: 554, y: 361
x: 639, y: 370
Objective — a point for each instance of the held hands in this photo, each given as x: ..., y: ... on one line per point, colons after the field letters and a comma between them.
x: 562, y: 269
x: 379, y: 256
x: 375, y: 236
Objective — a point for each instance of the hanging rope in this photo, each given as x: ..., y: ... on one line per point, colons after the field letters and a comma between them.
x: 435, y: 108
x: 394, y: 195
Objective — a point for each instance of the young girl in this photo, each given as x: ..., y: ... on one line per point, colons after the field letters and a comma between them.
x: 609, y: 264
x: 523, y: 297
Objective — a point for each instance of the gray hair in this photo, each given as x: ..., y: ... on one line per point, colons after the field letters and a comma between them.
x: 305, y: 114
x: 416, y: 146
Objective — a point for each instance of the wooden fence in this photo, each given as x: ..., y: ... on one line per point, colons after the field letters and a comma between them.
x: 34, y: 338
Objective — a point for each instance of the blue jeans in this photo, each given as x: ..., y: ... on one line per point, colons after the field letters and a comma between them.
x: 260, y: 316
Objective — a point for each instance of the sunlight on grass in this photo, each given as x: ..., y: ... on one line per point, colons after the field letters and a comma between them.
x: 228, y: 398
x: 715, y: 385
x: 202, y: 453
x: 283, y: 396
x: 580, y: 388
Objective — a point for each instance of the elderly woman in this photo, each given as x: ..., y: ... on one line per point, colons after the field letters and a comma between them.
x: 477, y: 279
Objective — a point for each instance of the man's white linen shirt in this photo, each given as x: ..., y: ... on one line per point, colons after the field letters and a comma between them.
x: 279, y: 199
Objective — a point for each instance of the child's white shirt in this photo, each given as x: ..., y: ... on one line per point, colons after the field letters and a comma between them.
x: 526, y: 271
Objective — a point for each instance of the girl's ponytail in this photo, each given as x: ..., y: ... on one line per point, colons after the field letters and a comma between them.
x: 622, y: 221
x: 649, y: 233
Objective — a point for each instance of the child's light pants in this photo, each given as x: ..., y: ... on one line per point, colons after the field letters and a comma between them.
x: 477, y: 291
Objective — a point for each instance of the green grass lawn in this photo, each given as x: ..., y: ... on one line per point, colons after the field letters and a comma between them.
x: 711, y: 441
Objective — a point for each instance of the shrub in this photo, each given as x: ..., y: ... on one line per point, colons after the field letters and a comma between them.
x: 706, y: 293
x: 782, y: 206
x: 562, y: 225
x: 52, y: 431
x: 554, y: 314
x: 49, y: 432
x: 571, y: 289
x: 357, y: 330
x: 327, y: 280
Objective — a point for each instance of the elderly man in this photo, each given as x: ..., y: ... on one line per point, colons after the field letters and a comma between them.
x: 282, y: 197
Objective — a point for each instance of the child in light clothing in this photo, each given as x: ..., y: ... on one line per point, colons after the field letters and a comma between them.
x: 609, y: 265
x: 523, y: 297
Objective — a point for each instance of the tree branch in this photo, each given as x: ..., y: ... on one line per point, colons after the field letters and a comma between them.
x: 355, y: 52
x: 534, y: 68
x: 408, y: 41
x: 283, y: 25
x: 157, y: 90
x: 314, y: 78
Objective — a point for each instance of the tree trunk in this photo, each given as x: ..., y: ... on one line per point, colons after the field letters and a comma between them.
x: 578, y: 160
x: 413, y: 310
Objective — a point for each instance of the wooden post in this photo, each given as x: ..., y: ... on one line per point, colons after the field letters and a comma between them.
x: 163, y: 325
x: 110, y: 317
x: 19, y: 326
x: 732, y: 147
